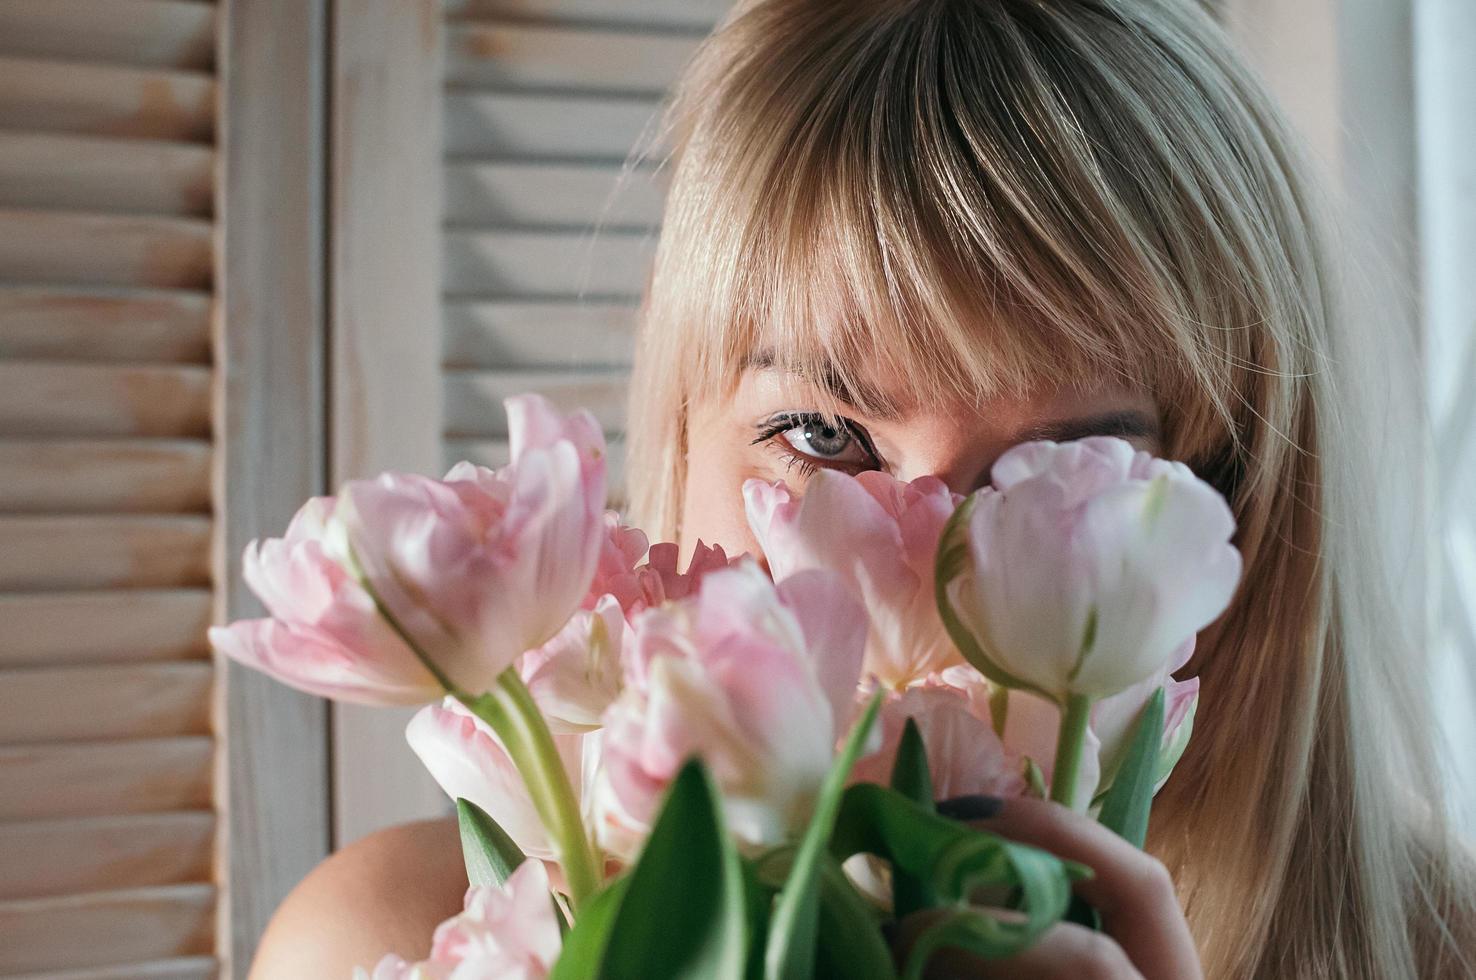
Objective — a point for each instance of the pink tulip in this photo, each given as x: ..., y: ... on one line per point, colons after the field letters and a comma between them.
x: 639, y: 586
x: 403, y: 582
x: 325, y: 635
x: 881, y: 536
x: 1086, y: 566
x: 467, y: 759
x: 511, y: 933
x: 476, y: 568
x: 965, y: 756
x: 574, y: 676
x: 758, y: 679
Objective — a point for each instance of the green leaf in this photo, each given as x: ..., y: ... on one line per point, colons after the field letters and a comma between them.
x: 790, y: 952
x: 910, y: 777
x: 584, y: 946
x: 850, y: 942
x: 684, y: 910
x: 956, y: 860
x: 489, y: 853
x: 1125, y: 809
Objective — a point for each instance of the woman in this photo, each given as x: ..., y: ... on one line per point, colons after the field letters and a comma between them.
x: 908, y: 234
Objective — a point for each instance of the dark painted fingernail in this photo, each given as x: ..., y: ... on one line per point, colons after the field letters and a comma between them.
x: 976, y: 807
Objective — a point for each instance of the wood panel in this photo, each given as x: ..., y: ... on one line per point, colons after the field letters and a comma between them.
x: 97, y: 778
x: 538, y: 334
x: 89, y: 551
x: 506, y: 125
x: 98, y: 100
x: 693, y: 16
x: 118, y: 475
x: 53, y: 629
x: 105, y: 249
x: 385, y: 371
x: 85, y: 173
x: 110, y: 702
x: 474, y: 398
x: 563, y: 195
x: 175, y: 968
x: 554, y: 264
x: 499, y: 55
x: 77, y: 931
x: 158, y: 33
x: 88, y: 854
x: 52, y: 323
x: 270, y: 429
x: 49, y: 399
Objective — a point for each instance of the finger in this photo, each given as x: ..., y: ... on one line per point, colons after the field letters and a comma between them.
x: 1063, y: 950
x: 1131, y: 890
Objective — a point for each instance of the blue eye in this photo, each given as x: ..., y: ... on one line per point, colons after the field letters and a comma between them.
x: 811, y: 440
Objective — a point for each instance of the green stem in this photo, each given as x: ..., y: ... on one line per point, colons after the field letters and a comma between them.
x: 1069, y: 743
x: 514, y: 716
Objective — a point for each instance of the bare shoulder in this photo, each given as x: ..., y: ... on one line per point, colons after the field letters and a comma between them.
x: 385, y: 893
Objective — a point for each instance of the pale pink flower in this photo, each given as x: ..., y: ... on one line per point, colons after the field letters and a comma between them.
x: 465, y: 572
x: 638, y: 585
x: 879, y: 534
x: 483, y: 565
x: 324, y: 635
x: 510, y: 933
x: 965, y: 756
x: 574, y: 676
x: 467, y: 759
x: 757, y: 679
x: 1087, y: 565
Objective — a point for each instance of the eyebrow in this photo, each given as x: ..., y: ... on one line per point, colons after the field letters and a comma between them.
x: 1125, y: 424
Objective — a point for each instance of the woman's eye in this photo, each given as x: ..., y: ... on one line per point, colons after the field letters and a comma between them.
x: 815, y: 441
x: 823, y: 441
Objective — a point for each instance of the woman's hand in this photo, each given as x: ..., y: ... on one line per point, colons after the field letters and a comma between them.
x: 1144, y: 932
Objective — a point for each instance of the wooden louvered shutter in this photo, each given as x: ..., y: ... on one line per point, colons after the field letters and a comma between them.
x: 474, y: 157
x: 159, y: 312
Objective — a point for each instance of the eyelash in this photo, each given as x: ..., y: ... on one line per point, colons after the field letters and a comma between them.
x: 809, y: 465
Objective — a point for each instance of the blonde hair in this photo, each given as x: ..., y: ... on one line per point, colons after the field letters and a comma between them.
x: 979, y: 195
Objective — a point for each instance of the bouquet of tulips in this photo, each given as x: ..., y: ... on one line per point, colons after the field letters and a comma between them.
x: 730, y: 771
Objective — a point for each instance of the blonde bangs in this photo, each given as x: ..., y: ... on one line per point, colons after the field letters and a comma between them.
x: 858, y: 214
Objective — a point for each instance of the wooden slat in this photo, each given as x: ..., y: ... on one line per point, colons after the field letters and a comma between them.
x: 176, y: 968
x: 44, y: 323
x: 103, y: 627
x: 62, y: 857
x: 117, y: 701
x: 688, y: 15
x: 106, y: 928
x: 100, y: 475
x: 78, y: 551
x: 561, y: 195
x: 85, y: 173
x: 512, y: 55
x: 44, y: 399
x: 493, y: 334
x: 97, y: 778
x: 59, y: 96
x: 494, y: 453
x: 544, y: 126
x: 554, y: 264
x: 105, y: 250
x: 474, y: 398
x: 154, y: 33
